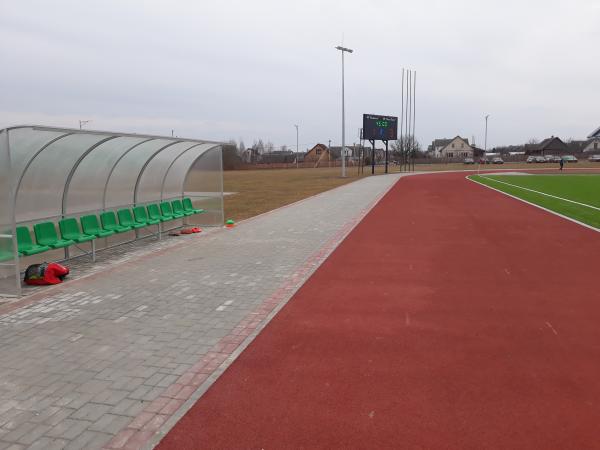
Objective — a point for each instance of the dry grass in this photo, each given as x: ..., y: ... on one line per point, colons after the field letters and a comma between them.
x: 259, y: 191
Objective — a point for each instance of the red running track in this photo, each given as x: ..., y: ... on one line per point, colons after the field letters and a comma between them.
x: 452, y: 317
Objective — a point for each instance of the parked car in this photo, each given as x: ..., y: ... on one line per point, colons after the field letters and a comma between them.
x: 540, y: 159
x: 552, y: 158
x: 497, y: 160
x: 594, y: 158
x: 469, y: 161
x: 531, y: 159
x: 569, y: 159
x: 484, y: 161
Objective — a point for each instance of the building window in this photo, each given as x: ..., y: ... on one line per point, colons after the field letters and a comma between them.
x: 452, y: 145
x: 595, y: 146
x: 318, y: 151
x: 451, y: 154
x: 462, y: 145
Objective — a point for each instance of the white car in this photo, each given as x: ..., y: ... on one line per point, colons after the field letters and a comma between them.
x: 594, y: 158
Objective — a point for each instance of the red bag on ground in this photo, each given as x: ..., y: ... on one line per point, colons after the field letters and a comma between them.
x: 44, y: 274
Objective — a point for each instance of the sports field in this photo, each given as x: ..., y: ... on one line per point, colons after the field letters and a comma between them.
x: 574, y: 196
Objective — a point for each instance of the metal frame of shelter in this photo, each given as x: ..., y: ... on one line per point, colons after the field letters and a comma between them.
x: 49, y: 173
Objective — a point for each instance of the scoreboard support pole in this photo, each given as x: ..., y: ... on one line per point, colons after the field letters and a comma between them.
x: 372, y: 141
x: 386, y: 156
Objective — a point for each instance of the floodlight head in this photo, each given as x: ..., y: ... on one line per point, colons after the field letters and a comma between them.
x: 344, y: 49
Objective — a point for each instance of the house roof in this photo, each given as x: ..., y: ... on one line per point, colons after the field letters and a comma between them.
x: 595, y: 134
x: 551, y: 140
x: 443, y: 143
x: 321, y: 146
x: 550, y: 144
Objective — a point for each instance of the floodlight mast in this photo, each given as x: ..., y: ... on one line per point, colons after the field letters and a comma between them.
x: 343, y: 152
x: 486, y: 126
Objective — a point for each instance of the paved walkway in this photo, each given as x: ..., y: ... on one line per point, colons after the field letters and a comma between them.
x: 113, y: 359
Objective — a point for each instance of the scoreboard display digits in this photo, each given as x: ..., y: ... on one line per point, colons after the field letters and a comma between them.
x: 380, y: 128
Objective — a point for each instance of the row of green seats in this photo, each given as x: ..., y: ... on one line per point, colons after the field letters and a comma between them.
x: 47, y: 238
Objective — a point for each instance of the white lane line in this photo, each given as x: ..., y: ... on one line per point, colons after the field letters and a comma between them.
x: 570, y: 219
x: 542, y: 193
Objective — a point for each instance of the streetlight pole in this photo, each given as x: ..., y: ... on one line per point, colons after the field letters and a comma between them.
x: 486, y: 123
x: 343, y: 50
x: 296, y: 146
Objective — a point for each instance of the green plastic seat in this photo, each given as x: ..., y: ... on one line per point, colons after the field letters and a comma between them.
x: 187, y: 206
x: 69, y: 229
x: 167, y: 211
x: 126, y: 219
x: 90, y: 225
x: 178, y: 208
x: 141, y: 216
x: 155, y: 214
x: 26, y: 245
x: 109, y: 222
x: 45, y: 234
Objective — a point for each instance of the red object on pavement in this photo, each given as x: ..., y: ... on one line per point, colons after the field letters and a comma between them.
x: 44, y: 274
x: 452, y: 317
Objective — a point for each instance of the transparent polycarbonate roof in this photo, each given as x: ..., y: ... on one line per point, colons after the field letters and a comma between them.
x: 57, y: 172
x: 47, y: 173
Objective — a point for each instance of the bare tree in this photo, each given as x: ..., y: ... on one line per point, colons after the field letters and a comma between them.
x: 406, y: 145
x: 259, y: 146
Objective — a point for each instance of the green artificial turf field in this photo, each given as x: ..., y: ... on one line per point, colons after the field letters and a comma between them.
x: 583, y: 189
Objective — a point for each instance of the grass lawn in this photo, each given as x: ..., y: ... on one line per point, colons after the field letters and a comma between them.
x: 259, y: 191
x: 582, y: 188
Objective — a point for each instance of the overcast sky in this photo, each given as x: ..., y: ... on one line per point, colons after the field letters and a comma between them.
x: 226, y: 69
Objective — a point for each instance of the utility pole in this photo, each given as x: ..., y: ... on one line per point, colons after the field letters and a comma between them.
x: 343, y: 50
x: 296, y: 146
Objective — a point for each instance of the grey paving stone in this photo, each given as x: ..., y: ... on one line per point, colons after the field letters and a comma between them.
x: 81, y: 363
x: 68, y: 429
x: 46, y: 443
x: 9, y: 446
x: 89, y: 440
x: 90, y: 411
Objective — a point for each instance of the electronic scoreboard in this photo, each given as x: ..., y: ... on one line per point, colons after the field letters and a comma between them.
x: 380, y: 128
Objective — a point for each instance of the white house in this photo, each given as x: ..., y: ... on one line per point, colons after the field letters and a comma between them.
x: 593, y: 145
x: 451, y: 148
